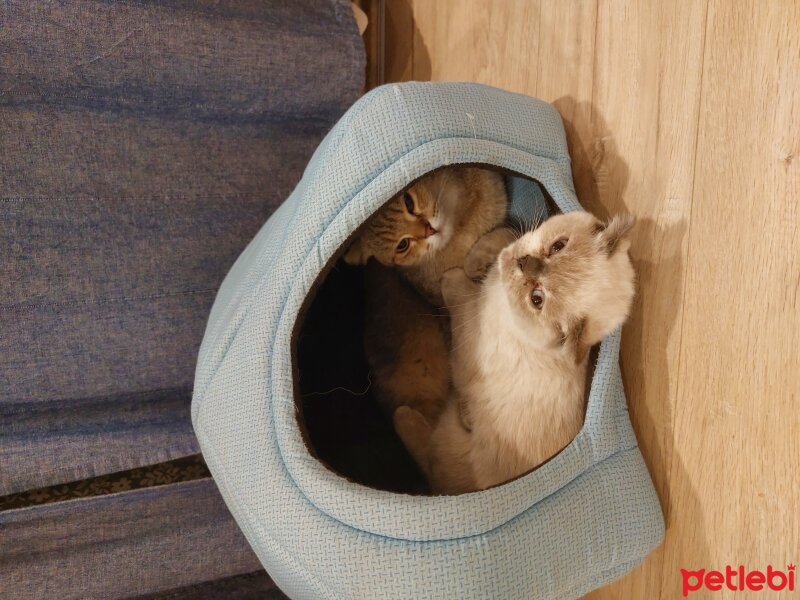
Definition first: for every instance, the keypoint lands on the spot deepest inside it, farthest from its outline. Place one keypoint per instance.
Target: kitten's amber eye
(409, 202)
(537, 298)
(558, 246)
(402, 246)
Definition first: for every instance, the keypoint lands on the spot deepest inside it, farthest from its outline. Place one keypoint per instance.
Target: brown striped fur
(406, 336)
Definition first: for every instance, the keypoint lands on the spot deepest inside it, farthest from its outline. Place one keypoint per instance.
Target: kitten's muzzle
(530, 266)
(429, 231)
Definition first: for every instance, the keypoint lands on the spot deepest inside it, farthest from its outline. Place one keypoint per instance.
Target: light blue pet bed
(581, 520)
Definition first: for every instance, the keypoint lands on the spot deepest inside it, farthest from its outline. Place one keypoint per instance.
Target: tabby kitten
(431, 227)
(417, 236)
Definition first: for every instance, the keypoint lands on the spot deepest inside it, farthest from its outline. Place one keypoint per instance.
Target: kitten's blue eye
(537, 298)
(558, 246)
(403, 245)
(409, 202)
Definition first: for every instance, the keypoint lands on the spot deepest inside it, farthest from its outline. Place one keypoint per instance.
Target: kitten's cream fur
(519, 369)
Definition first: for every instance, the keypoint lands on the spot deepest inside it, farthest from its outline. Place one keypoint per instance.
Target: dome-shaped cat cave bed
(582, 519)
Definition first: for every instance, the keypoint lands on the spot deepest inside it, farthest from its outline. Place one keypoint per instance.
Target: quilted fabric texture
(581, 520)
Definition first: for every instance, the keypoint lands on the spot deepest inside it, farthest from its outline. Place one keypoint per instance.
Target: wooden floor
(686, 113)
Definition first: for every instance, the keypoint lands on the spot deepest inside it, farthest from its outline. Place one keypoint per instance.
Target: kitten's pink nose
(429, 231)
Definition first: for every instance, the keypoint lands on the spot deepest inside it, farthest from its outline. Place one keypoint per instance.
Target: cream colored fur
(519, 370)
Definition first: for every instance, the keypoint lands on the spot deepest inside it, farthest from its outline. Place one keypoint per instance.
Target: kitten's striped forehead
(384, 229)
(387, 220)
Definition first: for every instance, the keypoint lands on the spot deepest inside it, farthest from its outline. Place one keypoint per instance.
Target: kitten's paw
(477, 264)
(454, 285)
(484, 253)
(415, 433)
(409, 420)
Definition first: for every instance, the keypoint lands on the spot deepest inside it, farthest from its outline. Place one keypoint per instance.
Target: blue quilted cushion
(578, 522)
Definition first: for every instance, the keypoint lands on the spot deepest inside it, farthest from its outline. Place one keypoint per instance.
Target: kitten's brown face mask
(411, 227)
(572, 276)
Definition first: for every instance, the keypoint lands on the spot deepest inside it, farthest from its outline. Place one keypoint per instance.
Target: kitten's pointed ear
(615, 234)
(357, 253)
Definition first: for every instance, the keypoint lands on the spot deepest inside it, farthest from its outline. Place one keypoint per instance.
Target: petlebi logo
(739, 579)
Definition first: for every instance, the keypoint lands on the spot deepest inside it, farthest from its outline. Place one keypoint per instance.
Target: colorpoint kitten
(420, 234)
(520, 352)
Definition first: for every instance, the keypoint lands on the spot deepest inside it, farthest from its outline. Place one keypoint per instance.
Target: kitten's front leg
(484, 252)
(461, 296)
(415, 433)
(457, 290)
